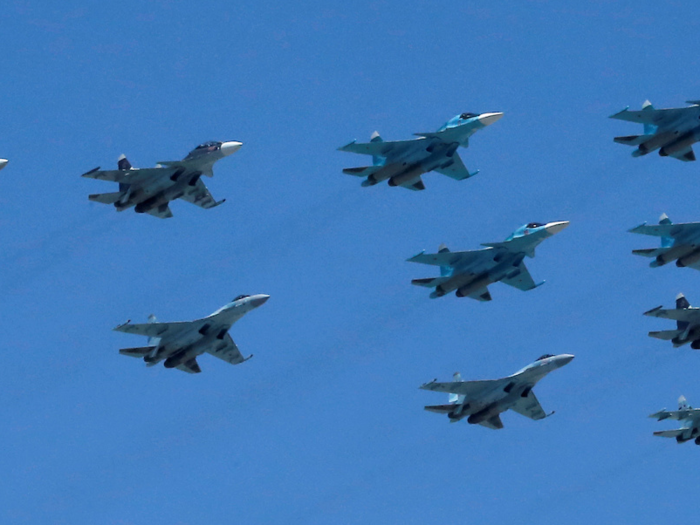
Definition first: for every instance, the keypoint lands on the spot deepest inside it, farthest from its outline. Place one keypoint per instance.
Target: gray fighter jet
(687, 323)
(672, 131)
(471, 272)
(482, 402)
(150, 190)
(679, 242)
(403, 162)
(179, 344)
(690, 420)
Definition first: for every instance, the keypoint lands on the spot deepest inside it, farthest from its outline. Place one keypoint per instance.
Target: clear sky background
(326, 423)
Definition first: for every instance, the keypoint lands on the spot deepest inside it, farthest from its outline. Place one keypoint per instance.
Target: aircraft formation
(466, 273)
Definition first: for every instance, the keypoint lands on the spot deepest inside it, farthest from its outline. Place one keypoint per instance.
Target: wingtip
(412, 259)
(123, 324)
(343, 148)
(93, 170)
(650, 312)
(636, 228)
(614, 115)
(424, 386)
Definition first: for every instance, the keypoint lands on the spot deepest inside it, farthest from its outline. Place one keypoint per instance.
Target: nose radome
(566, 359)
(556, 227)
(227, 148)
(259, 300)
(489, 118)
(3, 163)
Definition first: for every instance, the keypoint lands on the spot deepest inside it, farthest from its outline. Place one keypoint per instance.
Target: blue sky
(326, 423)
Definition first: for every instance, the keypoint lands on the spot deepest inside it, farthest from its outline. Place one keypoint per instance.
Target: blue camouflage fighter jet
(403, 162)
(672, 131)
(470, 272)
(679, 242)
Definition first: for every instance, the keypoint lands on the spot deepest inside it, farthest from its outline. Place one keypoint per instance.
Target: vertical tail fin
(682, 302)
(456, 398)
(153, 341)
(123, 163)
(683, 403)
(445, 271)
(649, 129)
(666, 242)
(377, 161)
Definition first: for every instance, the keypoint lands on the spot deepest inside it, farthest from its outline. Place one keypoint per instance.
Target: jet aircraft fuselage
(469, 273)
(402, 163)
(178, 344)
(150, 190)
(671, 131)
(481, 402)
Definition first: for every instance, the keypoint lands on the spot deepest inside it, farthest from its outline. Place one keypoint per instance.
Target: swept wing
(656, 117)
(157, 329)
(451, 259)
(200, 196)
(529, 407)
(522, 280)
(381, 148)
(228, 351)
(691, 315)
(129, 176)
(457, 170)
(471, 389)
(668, 230)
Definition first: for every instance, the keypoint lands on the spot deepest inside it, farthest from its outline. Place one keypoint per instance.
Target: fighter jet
(672, 131)
(471, 272)
(687, 323)
(483, 401)
(690, 418)
(3, 163)
(150, 190)
(179, 344)
(679, 242)
(403, 162)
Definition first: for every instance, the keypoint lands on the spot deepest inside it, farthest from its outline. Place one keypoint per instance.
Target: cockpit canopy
(206, 147)
(535, 225)
(545, 356)
(240, 297)
(465, 116)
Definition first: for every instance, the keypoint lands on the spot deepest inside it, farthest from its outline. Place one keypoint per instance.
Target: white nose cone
(3, 163)
(565, 359)
(489, 118)
(556, 227)
(259, 300)
(228, 148)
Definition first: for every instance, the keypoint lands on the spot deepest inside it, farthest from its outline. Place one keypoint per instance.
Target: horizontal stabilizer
(633, 140)
(440, 409)
(431, 282)
(666, 335)
(106, 198)
(415, 186)
(650, 252)
(494, 422)
(482, 294)
(137, 352)
(363, 171)
(670, 433)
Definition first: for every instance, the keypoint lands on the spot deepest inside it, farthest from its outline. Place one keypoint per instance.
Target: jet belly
(657, 141)
(166, 192)
(681, 143)
(675, 252)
